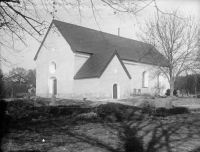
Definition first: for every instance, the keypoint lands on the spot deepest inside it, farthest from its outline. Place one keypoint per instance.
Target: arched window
(52, 67)
(145, 80)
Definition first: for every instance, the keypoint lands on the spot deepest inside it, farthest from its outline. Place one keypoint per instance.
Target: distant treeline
(189, 84)
(17, 81)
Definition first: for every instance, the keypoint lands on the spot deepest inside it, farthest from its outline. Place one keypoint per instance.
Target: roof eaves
(98, 75)
(153, 64)
(85, 77)
(43, 41)
(120, 60)
(83, 52)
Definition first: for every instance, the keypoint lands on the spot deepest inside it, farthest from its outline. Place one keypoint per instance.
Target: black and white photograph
(100, 75)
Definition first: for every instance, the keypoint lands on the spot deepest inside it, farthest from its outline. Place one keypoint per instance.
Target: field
(125, 129)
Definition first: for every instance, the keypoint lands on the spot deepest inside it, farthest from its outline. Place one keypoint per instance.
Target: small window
(145, 80)
(52, 67)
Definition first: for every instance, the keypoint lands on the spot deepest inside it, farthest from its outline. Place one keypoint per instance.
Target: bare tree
(176, 37)
(18, 75)
(19, 18)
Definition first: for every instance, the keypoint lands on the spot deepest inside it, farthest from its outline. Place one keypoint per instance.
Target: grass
(115, 128)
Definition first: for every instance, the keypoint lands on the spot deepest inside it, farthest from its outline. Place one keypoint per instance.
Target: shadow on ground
(140, 133)
(180, 133)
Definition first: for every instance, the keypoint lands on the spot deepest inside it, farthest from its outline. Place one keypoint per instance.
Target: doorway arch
(53, 85)
(115, 91)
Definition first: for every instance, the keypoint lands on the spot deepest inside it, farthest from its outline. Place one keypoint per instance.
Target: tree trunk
(182, 93)
(169, 100)
(171, 87)
(195, 90)
(195, 86)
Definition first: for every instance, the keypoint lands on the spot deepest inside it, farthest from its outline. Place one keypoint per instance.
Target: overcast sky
(108, 23)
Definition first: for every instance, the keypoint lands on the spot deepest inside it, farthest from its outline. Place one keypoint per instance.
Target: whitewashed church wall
(55, 48)
(79, 60)
(86, 88)
(136, 71)
(114, 73)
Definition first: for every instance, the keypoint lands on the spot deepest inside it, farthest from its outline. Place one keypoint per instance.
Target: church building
(78, 62)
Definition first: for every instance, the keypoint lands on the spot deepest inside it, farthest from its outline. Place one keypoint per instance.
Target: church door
(115, 91)
(54, 87)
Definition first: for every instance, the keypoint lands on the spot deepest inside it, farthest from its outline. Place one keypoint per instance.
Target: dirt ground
(180, 133)
(174, 134)
(191, 103)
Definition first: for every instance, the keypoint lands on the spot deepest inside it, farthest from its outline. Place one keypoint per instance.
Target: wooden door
(115, 91)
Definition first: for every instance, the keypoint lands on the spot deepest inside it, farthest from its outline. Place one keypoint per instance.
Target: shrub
(175, 92)
(2, 86)
(108, 109)
(148, 110)
(43, 101)
(163, 112)
(54, 110)
(67, 110)
(4, 117)
(179, 110)
(18, 106)
(114, 111)
(168, 92)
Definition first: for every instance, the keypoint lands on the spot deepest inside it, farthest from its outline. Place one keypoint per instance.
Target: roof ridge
(93, 42)
(102, 32)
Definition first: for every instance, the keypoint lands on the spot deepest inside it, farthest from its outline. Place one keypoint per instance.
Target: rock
(89, 115)
(168, 103)
(178, 93)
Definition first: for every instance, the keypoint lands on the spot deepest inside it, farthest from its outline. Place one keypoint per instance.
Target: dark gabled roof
(96, 65)
(87, 40)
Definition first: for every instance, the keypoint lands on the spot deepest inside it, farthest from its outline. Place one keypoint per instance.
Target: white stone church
(78, 62)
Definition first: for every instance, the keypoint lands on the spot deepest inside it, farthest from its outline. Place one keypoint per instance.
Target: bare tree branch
(176, 37)
(23, 17)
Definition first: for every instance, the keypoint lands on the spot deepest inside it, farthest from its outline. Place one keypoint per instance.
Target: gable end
(35, 58)
(96, 65)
